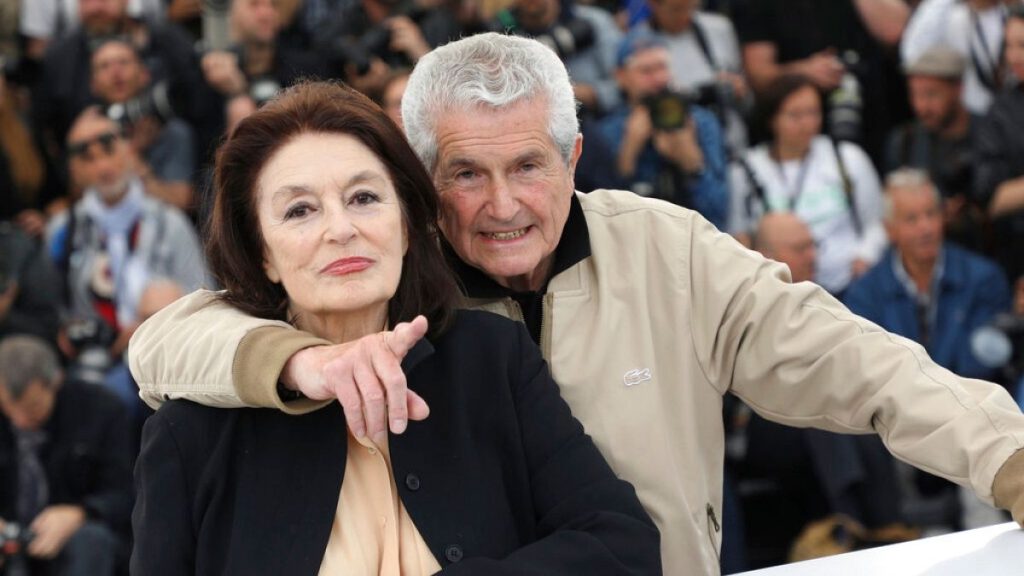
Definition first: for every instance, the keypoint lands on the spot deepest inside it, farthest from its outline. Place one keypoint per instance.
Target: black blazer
(87, 456)
(500, 479)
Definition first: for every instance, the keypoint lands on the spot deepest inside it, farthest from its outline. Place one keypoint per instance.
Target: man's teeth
(507, 235)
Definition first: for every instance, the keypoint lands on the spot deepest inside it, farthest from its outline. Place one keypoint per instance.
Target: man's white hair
(487, 70)
(903, 178)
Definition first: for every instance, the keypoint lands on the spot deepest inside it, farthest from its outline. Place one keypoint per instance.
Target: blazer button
(412, 482)
(453, 553)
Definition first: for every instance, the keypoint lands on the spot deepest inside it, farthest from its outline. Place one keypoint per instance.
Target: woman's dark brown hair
(780, 89)
(235, 245)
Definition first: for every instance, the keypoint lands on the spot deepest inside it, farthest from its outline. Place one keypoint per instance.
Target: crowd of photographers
(875, 146)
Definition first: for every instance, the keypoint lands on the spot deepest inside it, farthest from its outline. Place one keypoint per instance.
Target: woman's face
(332, 226)
(798, 120)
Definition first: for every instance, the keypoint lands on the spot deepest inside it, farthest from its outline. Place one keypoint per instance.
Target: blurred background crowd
(874, 146)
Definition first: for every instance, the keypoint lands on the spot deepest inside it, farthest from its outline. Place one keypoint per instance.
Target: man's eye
(465, 175)
(297, 211)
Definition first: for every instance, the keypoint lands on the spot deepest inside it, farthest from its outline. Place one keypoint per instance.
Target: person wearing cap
(941, 139)
(668, 148)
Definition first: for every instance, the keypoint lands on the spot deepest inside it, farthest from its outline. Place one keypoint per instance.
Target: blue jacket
(972, 290)
(709, 188)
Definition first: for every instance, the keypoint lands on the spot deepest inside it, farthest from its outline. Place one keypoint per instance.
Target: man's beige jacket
(644, 337)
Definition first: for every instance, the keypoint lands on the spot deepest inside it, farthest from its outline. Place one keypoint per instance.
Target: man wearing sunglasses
(109, 246)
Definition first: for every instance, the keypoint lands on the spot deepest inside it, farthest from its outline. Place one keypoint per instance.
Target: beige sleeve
(799, 357)
(204, 350)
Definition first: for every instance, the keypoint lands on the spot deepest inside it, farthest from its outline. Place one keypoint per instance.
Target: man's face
(794, 246)
(99, 157)
(935, 100)
(537, 13)
(915, 226)
(117, 73)
(255, 21)
(645, 73)
(100, 17)
(673, 16)
(30, 411)
(505, 190)
(1015, 46)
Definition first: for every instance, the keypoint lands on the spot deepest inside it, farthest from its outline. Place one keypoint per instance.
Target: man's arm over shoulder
(206, 351)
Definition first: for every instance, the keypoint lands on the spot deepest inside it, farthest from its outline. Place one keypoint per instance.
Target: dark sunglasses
(81, 148)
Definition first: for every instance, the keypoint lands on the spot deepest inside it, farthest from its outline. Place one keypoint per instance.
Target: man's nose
(502, 204)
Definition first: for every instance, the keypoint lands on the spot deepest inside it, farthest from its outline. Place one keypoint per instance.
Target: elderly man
(65, 470)
(928, 290)
(646, 313)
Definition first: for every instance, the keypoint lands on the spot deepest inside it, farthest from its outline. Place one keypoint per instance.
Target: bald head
(784, 237)
(158, 295)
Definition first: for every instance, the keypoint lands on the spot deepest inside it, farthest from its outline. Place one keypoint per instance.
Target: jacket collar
(573, 248)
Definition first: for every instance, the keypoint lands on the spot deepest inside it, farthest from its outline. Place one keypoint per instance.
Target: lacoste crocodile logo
(636, 376)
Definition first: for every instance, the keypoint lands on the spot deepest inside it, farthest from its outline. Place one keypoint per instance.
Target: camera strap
(702, 41)
(844, 175)
(757, 192)
(989, 72)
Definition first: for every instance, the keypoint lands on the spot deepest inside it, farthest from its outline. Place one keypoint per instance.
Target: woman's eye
(297, 211)
(364, 198)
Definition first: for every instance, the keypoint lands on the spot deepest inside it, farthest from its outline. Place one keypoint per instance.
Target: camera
(155, 102)
(14, 539)
(846, 103)
(92, 338)
(1000, 345)
(669, 110)
(569, 37)
(359, 51)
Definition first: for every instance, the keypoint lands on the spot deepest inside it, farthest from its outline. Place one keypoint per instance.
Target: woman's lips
(346, 266)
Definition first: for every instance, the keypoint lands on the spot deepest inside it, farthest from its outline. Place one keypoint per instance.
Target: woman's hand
(366, 377)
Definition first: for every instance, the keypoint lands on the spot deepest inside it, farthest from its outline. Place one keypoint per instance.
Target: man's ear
(574, 160)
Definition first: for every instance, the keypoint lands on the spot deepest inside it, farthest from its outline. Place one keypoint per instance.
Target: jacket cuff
(1008, 486)
(259, 360)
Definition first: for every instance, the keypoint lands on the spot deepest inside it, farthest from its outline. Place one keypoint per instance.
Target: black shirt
(573, 247)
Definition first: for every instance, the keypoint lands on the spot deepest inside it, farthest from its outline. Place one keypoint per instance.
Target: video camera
(669, 110)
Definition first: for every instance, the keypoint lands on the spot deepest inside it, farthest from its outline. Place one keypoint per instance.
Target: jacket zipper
(713, 525)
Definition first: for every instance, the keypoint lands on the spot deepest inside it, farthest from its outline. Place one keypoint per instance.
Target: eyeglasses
(81, 147)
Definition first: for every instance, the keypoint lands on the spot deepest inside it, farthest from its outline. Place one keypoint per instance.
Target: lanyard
(797, 189)
(989, 73)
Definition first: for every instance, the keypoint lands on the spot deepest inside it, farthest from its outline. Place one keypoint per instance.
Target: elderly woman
(324, 218)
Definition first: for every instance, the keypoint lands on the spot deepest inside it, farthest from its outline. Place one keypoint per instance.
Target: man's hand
(53, 527)
(681, 147)
(824, 69)
(7, 298)
(366, 377)
(407, 38)
(222, 72)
